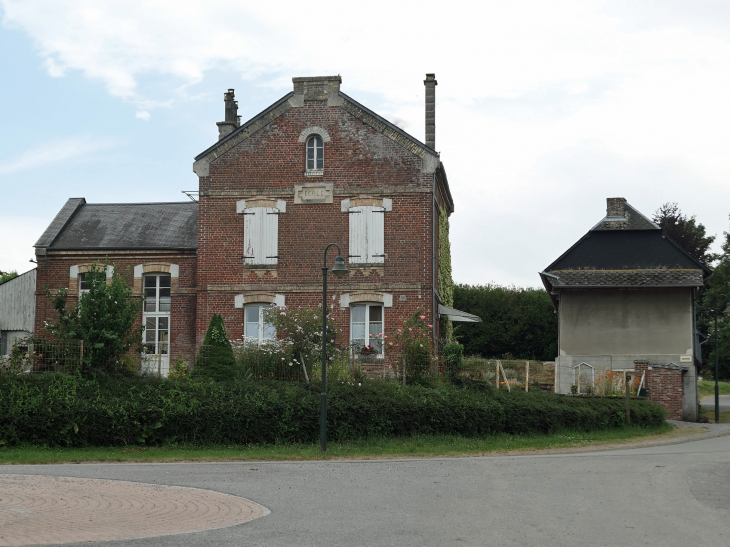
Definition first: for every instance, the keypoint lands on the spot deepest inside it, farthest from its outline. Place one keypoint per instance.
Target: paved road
(709, 402)
(673, 495)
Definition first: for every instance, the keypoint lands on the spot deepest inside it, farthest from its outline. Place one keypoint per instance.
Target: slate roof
(576, 279)
(108, 226)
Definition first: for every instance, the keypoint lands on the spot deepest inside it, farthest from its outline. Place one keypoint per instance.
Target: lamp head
(339, 269)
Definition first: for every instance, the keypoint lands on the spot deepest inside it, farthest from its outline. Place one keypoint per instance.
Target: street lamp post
(338, 270)
(717, 362)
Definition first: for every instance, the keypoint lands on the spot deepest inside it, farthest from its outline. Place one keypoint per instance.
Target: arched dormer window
(315, 153)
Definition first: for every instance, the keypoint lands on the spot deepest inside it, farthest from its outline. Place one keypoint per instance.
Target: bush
(453, 359)
(64, 410)
(215, 359)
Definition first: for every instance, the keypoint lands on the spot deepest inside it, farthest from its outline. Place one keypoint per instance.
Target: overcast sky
(543, 109)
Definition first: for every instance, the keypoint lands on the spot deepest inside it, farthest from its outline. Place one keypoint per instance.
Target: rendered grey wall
(621, 322)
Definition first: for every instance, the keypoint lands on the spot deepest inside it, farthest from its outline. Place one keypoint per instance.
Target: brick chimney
(430, 83)
(317, 88)
(615, 207)
(233, 120)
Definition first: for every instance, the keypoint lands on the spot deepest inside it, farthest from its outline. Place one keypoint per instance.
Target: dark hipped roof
(624, 251)
(107, 226)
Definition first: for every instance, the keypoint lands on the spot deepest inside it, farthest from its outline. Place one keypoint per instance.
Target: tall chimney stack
(232, 120)
(615, 207)
(430, 83)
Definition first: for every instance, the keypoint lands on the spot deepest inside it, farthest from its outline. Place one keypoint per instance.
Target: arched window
(315, 153)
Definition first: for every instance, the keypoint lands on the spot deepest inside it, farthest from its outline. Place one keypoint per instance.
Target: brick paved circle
(36, 510)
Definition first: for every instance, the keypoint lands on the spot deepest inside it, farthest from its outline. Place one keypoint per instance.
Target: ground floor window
(255, 326)
(366, 328)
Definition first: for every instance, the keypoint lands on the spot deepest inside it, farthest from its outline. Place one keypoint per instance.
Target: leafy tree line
(516, 322)
(691, 235)
(7, 276)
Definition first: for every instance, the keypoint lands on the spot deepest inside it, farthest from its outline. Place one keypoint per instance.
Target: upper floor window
(261, 236)
(157, 293)
(315, 153)
(367, 234)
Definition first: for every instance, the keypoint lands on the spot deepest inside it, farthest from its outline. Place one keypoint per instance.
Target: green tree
(516, 323)
(7, 276)
(215, 358)
(106, 318)
(685, 232)
(715, 298)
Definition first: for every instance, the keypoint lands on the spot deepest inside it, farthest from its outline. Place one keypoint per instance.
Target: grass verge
(419, 446)
(710, 413)
(707, 387)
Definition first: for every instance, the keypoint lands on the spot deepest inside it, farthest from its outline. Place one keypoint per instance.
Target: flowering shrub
(411, 346)
(299, 331)
(265, 360)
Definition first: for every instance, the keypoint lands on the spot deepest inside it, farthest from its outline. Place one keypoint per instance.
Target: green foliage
(215, 358)
(516, 323)
(453, 356)
(266, 360)
(65, 410)
(299, 331)
(716, 298)
(685, 232)
(445, 281)
(7, 276)
(105, 318)
(179, 370)
(411, 347)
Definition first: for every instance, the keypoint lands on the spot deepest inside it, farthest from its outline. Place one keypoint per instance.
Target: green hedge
(59, 410)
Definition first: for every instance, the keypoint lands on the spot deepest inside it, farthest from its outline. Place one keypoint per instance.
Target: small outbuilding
(17, 309)
(625, 296)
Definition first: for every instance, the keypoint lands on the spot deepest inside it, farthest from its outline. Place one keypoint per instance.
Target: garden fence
(35, 354)
(510, 374)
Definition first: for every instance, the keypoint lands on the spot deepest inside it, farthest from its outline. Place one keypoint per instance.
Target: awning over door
(458, 315)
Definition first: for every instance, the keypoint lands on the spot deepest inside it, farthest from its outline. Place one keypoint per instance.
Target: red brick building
(314, 168)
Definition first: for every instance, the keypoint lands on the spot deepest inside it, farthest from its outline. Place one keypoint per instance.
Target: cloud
(543, 108)
(143, 115)
(54, 152)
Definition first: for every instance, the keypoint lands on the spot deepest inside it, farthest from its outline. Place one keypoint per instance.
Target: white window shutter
(251, 238)
(358, 235)
(270, 235)
(376, 235)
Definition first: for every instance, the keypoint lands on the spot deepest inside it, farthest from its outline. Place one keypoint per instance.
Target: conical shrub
(215, 358)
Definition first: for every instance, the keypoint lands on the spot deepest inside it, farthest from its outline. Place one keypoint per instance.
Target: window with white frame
(261, 236)
(366, 327)
(83, 285)
(315, 153)
(367, 234)
(255, 326)
(156, 313)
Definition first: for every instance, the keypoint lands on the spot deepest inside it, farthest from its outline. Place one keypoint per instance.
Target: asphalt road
(673, 495)
(709, 402)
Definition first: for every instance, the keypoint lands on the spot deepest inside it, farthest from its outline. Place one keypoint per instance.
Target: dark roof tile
(130, 226)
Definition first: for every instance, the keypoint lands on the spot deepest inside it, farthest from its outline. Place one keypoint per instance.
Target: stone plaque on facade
(313, 192)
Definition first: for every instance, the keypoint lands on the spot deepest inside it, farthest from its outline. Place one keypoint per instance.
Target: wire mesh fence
(510, 374)
(35, 354)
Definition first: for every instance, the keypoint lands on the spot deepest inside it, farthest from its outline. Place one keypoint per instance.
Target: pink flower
(421, 345)
(423, 317)
(430, 326)
(437, 358)
(390, 343)
(410, 329)
(283, 313)
(457, 342)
